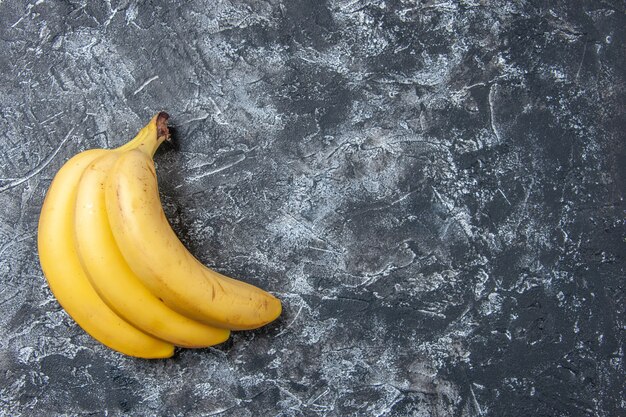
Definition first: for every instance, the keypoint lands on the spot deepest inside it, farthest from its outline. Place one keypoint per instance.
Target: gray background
(434, 189)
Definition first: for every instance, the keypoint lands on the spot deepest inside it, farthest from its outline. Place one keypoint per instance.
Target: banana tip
(161, 123)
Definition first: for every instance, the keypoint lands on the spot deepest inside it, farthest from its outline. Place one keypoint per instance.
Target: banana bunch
(116, 266)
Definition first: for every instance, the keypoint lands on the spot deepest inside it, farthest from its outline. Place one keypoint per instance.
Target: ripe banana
(68, 282)
(113, 279)
(116, 266)
(161, 261)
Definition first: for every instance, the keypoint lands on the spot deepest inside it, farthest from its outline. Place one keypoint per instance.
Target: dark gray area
(434, 189)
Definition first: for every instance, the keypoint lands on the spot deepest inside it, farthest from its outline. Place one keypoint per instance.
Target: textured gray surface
(434, 189)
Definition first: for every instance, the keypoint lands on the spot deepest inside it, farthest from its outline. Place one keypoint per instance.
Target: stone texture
(434, 189)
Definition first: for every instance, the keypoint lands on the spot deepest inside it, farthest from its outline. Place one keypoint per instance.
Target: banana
(161, 261)
(113, 279)
(115, 265)
(65, 275)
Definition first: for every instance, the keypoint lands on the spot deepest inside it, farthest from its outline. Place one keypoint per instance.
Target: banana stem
(150, 137)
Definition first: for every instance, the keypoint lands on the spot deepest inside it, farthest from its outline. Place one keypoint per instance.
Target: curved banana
(66, 277)
(164, 265)
(113, 279)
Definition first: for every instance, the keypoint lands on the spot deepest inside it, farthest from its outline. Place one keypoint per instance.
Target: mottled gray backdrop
(434, 189)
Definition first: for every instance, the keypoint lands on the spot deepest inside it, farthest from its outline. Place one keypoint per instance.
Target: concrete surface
(434, 189)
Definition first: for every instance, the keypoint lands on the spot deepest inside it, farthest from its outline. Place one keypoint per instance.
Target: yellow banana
(113, 279)
(116, 266)
(66, 277)
(158, 258)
